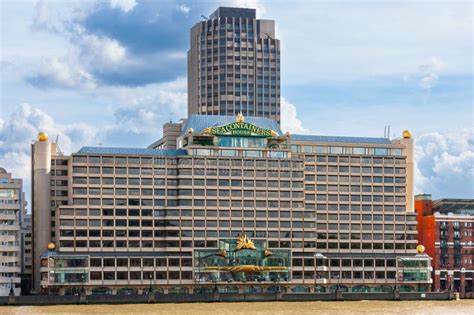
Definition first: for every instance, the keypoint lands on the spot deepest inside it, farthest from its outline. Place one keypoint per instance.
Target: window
(380, 151)
(396, 152)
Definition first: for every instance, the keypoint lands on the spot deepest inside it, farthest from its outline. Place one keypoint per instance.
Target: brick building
(446, 228)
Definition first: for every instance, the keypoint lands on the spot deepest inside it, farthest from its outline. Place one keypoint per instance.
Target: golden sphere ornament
(51, 246)
(42, 136)
(407, 134)
(420, 248)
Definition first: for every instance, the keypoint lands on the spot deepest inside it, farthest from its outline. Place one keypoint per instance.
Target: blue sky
(112, 72)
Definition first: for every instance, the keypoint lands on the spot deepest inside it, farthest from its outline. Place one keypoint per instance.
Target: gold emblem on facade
(221, 253)
(240, 117)
(244, 243)
(246, 268)
(267, 253)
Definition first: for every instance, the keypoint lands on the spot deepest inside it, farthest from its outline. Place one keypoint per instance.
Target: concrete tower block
(41, 207)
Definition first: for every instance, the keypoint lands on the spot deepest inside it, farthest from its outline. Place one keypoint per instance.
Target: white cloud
(144, 111)
(22, 127)
(24, 124)
(62, 73)
(100, 50)
(289, 119)
(124, 5)
(184, 8)
(430, 73)
(252, 4)
(383, 39)
(445, 164)
(19, 164)
(74, 71)
(42, 16)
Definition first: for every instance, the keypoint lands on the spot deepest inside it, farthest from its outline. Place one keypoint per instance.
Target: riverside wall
(220, 297)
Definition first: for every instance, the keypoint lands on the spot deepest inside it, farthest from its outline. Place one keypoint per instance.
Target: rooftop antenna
(204, 17)
(57, 143)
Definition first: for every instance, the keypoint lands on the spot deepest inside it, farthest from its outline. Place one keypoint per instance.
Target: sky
(112, 72)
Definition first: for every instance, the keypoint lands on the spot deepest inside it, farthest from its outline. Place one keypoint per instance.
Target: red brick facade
(448, 236)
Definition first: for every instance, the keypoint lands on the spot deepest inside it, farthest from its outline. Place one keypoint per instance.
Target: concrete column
(396, 294)
(408, 142)
(11, 298)
(41, 208)
(462, 284)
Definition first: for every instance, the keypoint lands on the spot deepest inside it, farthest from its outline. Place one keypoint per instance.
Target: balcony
(9, 279)
(7, 248)
(6, 227)
(12, 217)
(10, 270)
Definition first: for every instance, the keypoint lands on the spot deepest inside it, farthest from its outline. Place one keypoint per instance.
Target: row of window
(365, 275)
(185, 223)
(188, 193)
(355, 169)
(124, 244)
(186, 202)
(365, 160)
(346, 150)
(364, 227)
(271, 214)
(196, 171)
(345, 262)
(320, 236)
(356, 188)
(356, 179)
(238, 203)
(139, 262)
(138, 275)
(356, 207)
(196, 182)
(364, 217)
(246, 154)
(190, 162)
(355, 198)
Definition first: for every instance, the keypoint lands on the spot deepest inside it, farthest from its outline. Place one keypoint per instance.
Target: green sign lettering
(241, 129)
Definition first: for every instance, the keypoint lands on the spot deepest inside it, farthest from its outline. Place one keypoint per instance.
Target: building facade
(446, 228)
(238, 206)
(26, 257)
(50, 182)
(12, 209)
(234, 65)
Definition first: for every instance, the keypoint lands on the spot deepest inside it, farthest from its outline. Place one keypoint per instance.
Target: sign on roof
(240, 128)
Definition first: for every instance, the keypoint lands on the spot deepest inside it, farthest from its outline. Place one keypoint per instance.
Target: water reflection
(259, 308)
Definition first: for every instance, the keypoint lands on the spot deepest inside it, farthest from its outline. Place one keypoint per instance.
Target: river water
(259, 308)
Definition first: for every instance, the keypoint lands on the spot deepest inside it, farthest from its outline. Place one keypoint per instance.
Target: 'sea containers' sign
(241, 129)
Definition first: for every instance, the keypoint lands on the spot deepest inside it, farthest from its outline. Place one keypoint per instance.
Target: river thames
(258, 308)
